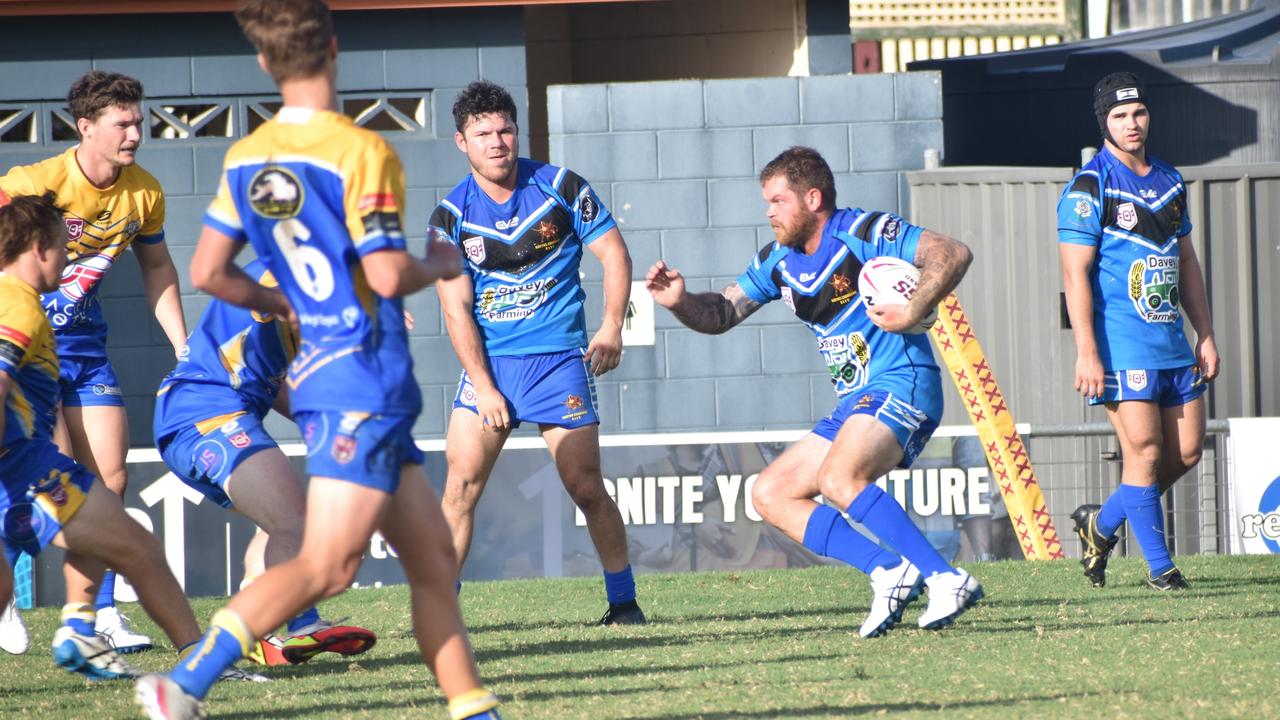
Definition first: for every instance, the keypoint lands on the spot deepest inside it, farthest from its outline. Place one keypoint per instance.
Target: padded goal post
(1010, 465)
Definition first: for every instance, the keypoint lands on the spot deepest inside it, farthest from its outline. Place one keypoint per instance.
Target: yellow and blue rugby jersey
(101, 224)
(243, 354)
(28, 354)
(313, 194)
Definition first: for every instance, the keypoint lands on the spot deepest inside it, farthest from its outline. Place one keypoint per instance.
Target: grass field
(774, 644)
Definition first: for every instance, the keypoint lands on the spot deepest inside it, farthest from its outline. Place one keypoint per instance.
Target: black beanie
(1118, 88)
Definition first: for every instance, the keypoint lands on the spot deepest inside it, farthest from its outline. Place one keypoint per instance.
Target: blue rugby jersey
(242, 353)
(822, 290)
(523, 256)
(1135, 223)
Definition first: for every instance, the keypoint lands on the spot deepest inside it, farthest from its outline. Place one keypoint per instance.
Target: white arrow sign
(172, 492)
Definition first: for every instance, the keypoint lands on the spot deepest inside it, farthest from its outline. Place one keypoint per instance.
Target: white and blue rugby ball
(889, 281)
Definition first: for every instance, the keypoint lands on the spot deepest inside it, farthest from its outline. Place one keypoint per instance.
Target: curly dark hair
(25, 219)
(97, 90)
(482, 98)
(804, 168)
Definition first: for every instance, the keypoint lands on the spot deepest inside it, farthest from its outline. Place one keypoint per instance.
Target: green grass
(775, 644)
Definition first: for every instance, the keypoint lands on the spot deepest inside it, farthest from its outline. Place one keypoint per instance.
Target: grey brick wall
(203, 58)
(680, 160)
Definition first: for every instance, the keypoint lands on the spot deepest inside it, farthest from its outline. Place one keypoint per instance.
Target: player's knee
(116, 479)
(1143, 454)
(767, 493)
(1190, 457)
(587, 492)
(462, 491)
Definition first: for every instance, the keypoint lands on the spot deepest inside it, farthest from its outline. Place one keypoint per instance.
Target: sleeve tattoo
(715, 313)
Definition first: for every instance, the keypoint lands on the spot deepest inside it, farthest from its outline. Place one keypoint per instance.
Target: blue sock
(305, 618)
(620, 587)
(885, 517)
(1146, 522)
(828, 535)
(1112, 515)
(107, 591)
(226, 641)
(79, 618)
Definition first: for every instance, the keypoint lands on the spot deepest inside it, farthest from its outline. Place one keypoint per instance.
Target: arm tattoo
(715, 313)
(943, 262)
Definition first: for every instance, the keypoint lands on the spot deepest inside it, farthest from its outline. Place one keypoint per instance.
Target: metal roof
(1250, 36)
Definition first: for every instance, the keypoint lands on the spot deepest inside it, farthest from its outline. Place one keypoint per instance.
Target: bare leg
(416, 528)
(576, 454)
(266, 490)
(341, 517)
(1183, 441)
(98, 438)
(102, 531)
(784, 491)
(1137, 425)
(471, 450)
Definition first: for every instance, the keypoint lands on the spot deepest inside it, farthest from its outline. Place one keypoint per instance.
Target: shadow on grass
(865, 709)
(670, 619)
(633, 671)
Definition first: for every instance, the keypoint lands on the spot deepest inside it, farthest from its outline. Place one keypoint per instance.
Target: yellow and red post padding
(1010, 464)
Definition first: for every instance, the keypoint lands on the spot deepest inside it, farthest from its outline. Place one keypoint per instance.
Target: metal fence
(1080, 464)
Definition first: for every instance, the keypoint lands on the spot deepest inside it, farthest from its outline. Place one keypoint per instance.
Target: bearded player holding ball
(888, 388)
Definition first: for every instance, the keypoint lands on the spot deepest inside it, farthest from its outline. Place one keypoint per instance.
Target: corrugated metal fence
(1012, 292)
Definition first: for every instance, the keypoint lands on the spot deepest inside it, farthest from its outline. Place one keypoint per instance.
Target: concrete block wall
(203, 58)
(677, 164)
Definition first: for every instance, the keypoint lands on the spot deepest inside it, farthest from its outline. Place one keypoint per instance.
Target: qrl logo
(75, 229)
(83, 274)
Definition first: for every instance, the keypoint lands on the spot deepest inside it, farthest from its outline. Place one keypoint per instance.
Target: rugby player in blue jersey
(209, 431)
(517, 324)
(888, 388)
(1130, 269)
(320, 200)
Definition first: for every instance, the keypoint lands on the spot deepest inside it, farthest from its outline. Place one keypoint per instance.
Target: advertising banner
(686, 501)
(1254, 478)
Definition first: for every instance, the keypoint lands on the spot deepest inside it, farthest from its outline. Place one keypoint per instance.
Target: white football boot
(89, 655)
(163, 699)
(14, 638)
(950, 594)
(892, 590)
(114, 625)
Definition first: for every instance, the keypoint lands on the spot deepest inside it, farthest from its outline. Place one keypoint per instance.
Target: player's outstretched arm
(1195, 300)
(605, 349)
(160, 285)
(213, 270)
(457, 299)
(709, 312)
(1077, 266)
(395, 273)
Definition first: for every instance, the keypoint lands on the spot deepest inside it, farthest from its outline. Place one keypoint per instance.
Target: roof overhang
(132, 7)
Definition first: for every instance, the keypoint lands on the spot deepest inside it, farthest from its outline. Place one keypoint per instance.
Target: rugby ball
(890, 281)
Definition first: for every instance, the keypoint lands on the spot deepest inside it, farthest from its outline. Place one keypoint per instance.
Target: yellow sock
(471, 703)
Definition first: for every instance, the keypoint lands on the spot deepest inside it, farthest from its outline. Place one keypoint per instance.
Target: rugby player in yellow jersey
(46, 497)
(321, 201)
(111, 204)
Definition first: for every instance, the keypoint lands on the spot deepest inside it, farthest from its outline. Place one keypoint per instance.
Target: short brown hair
(804, 168)
(96, 91)
(293, 35)
(25, 219)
